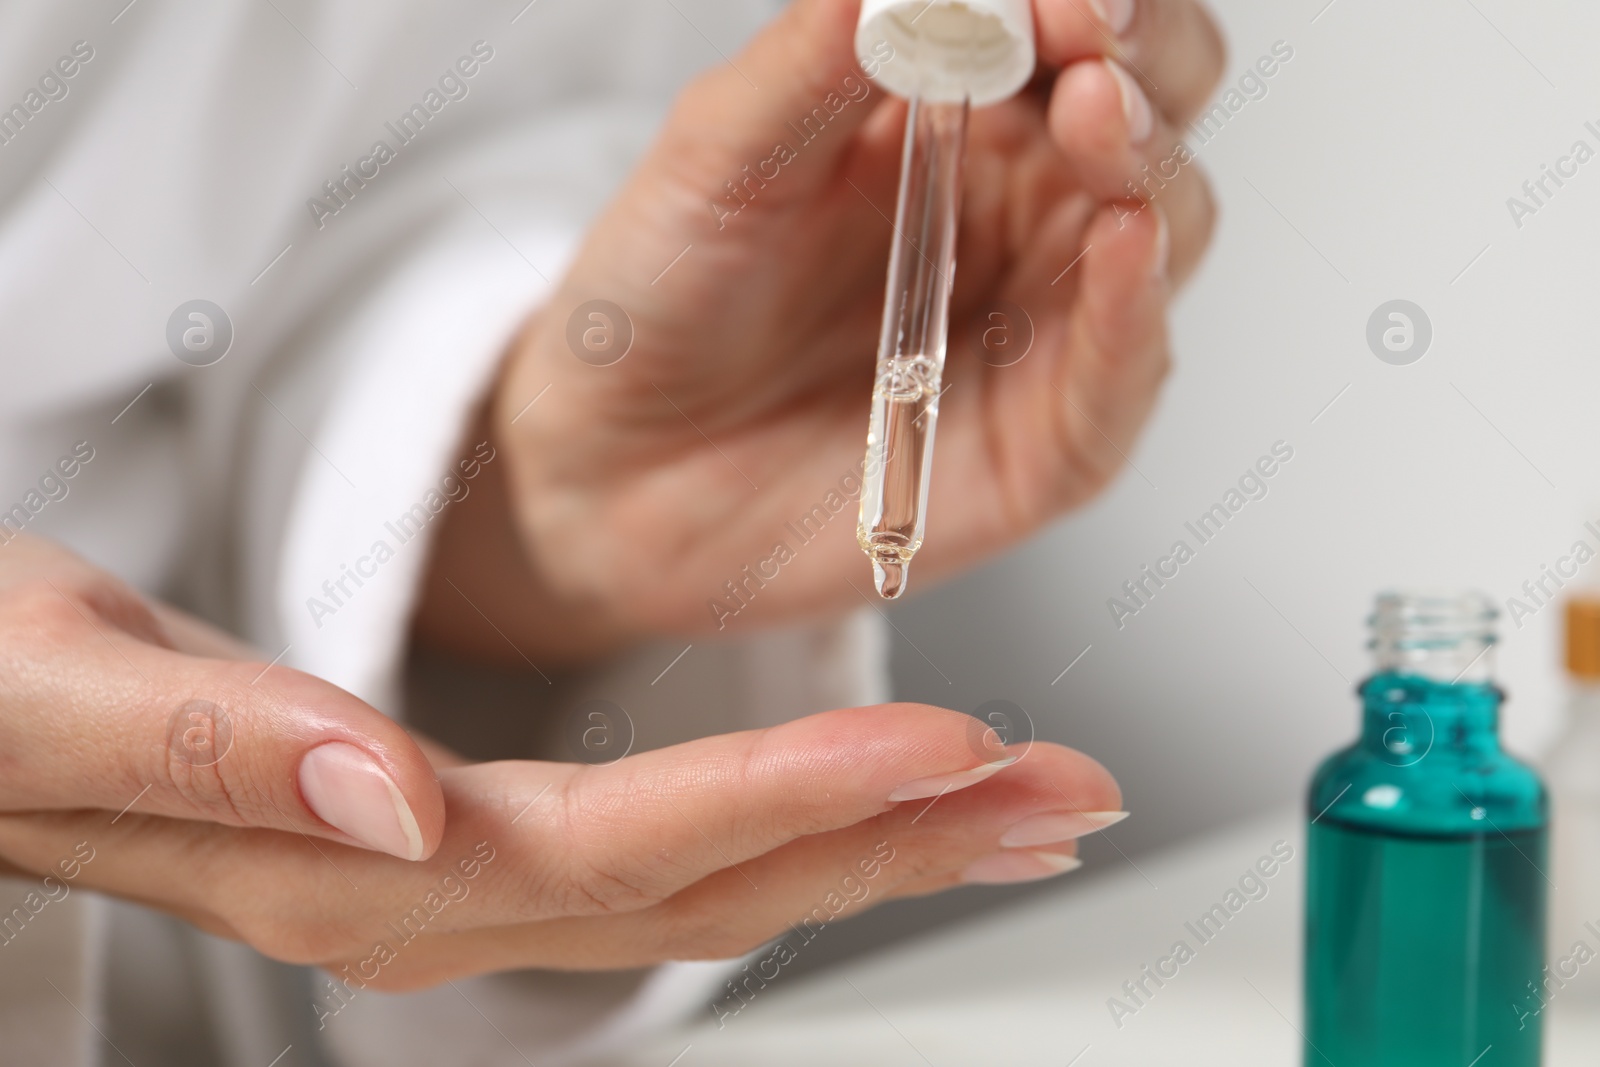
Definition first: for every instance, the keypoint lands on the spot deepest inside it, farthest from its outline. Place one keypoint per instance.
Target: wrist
(487, 595)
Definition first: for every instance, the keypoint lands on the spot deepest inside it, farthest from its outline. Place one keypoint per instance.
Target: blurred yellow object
(1583, 636)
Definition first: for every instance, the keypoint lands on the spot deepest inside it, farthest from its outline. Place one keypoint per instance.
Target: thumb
(292, 752)
(787, 104)
(96, 716)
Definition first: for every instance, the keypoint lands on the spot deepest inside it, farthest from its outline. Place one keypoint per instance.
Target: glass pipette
(911, 348)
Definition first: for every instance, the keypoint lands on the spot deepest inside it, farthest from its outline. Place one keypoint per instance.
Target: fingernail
(1051, 827)
(1135, 106)
(1114, 14)
(947, 783)
(1004, 867)
(1163, 245)
(349, 791)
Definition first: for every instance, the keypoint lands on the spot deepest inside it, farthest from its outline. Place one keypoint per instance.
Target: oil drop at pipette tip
(889, 577)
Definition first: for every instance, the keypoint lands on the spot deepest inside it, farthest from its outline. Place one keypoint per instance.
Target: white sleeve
(362, 416)
(416, 362)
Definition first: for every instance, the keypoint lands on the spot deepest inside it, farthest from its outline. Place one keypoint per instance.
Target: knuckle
(199, 783)
(217, 755)
(123, 607)
(915, 862)
(62, 610)
(590, 889)
(599, 880)
(45, 608)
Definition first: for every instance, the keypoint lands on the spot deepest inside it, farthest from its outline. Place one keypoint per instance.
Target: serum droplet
(889, 577)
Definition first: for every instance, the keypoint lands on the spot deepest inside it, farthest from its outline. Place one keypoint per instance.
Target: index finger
(96, 715)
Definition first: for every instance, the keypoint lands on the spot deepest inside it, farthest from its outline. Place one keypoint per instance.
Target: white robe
(179, 161)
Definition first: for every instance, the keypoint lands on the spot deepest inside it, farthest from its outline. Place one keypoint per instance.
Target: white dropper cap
(944, 50)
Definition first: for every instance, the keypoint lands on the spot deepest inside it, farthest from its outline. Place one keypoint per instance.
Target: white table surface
(1029, 985)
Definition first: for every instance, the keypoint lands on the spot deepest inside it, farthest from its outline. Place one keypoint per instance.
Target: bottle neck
(1432, 684)
(1406, 716)
(1444, 638)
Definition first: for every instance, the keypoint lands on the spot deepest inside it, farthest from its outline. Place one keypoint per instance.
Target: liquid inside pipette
(911, 348)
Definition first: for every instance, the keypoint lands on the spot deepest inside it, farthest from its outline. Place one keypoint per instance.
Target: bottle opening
(1446, 635)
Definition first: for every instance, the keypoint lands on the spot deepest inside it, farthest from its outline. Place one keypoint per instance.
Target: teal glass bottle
(1425, 866)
